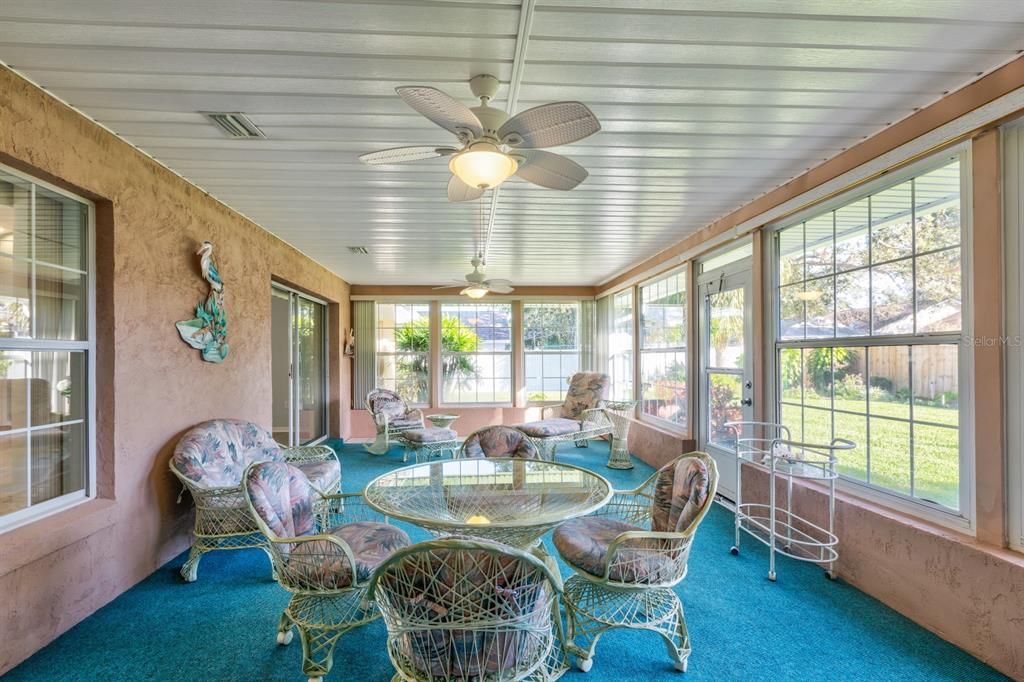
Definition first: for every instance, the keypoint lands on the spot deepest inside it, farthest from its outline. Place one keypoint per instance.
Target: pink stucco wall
(151, 386)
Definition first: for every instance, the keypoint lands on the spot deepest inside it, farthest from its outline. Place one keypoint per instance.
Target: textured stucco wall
(152, 386)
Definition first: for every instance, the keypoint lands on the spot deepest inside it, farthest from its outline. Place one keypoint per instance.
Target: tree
(414, 338)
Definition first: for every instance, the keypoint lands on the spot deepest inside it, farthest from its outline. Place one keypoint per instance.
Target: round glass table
(514, 501)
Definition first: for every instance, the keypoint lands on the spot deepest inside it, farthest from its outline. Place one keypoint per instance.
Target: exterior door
(298, 367)
(726, 378)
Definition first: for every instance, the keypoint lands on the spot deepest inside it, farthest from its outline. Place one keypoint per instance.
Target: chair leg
(379, 446)
(284, 629)
(318, 649)
(190, 569)
(677, 637)
(583, 632)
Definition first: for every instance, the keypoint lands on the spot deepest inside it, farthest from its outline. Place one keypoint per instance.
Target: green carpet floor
(743, 627)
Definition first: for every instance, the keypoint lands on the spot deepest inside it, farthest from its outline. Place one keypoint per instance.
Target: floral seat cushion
(546, 428)
(403, 423)
(680, 493)
(430, 434)
(586, 391)
(324, 475)
(323, 565)
(214, 454)
(584, 544)
(499, 441)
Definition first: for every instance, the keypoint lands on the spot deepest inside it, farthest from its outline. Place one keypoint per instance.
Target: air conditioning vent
(358, 249)
(235, 124)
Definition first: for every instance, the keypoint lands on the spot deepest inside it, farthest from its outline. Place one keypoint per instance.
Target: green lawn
(936, 448)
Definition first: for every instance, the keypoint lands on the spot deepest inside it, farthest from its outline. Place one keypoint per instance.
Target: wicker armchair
(209, 461)
(324, 549)
(499, 441)
(466, 609)
(391, 415)
(628, 556)
(581, 417)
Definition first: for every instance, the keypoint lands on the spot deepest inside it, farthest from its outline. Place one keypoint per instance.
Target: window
(620, 346)
(869, 324)
(663, 348)
(551, 348)
(476, 352)
(45, 350)
(403, 350)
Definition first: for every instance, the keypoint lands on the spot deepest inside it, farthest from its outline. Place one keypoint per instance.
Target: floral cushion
(403, 423)
(499, 441)
(214, 454)
(384, 402)
(556, 426)
(323, 565)
(430, 434)
(325, 475)
(283, 499)
(586, 391)
(584, 544)
(467, 613)
(680, 493)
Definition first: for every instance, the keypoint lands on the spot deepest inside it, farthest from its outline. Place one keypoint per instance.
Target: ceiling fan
(478, 286)
(494, 146)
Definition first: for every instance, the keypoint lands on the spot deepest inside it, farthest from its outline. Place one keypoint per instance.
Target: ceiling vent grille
(235, 124)
(358, 249)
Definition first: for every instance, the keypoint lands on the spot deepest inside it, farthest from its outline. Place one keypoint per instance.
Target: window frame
(441, 402)
(578, 351)
(632, 365)
(1013, 241)
(36, 512)
(680, 428)
(395, 353)
(962, 519)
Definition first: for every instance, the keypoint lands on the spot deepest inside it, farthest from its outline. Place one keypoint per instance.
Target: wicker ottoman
(429, 441)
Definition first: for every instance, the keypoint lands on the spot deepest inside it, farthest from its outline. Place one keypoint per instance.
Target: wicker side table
(620, 413)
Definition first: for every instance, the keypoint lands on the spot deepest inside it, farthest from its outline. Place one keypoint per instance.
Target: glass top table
(514, 501)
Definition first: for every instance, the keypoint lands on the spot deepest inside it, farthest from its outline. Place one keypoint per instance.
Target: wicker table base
(428, 449)
(619, 413)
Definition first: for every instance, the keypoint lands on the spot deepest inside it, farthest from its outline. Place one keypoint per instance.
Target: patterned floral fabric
(584, 543)
(680, 493)
(215, 453)
(321, 565)
(385, 402)
(488, 600)
(586, 391)
(430, 434)
(556, 426)
(403, 423)
(499, 441)
(324, 475)
(283, 498)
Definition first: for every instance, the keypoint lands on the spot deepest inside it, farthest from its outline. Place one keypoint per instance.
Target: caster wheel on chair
(734, 551)
(831, 575)
(771, 576)
(316, 679)
(584, 664)
(285, 638)
(681, 666)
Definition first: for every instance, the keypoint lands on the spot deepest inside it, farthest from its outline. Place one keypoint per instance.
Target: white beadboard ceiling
(705, 105)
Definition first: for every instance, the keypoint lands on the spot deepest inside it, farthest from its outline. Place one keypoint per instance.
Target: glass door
(298, 367)
(726, 382)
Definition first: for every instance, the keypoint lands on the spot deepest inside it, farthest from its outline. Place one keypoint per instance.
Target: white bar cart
(770, 447)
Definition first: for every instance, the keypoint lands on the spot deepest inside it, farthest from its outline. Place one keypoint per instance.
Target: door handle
(747, 401)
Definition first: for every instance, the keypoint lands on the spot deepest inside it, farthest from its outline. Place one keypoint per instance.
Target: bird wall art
(208, 330)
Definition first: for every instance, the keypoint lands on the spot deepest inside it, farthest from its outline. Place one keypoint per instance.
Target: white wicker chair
(209, 461)
(581, 417)
(468, 609)
(324, 549)
(630, 554)
(391, 415)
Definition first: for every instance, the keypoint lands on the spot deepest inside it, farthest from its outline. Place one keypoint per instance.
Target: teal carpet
(743, 627)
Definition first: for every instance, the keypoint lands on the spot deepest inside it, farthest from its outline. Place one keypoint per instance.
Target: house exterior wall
(151, 386)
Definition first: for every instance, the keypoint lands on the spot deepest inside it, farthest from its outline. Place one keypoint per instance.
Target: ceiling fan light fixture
(475, 291)
(482, 165)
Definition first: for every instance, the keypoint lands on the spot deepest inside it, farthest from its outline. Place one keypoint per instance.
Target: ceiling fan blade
(460, 191)
(549, 125)
(499, 288)
(498, 282)
(553, 171)
(442, 109)
(450, 286)
(405, 155)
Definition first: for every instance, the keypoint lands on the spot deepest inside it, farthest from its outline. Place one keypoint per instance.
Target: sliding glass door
(299, 367)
